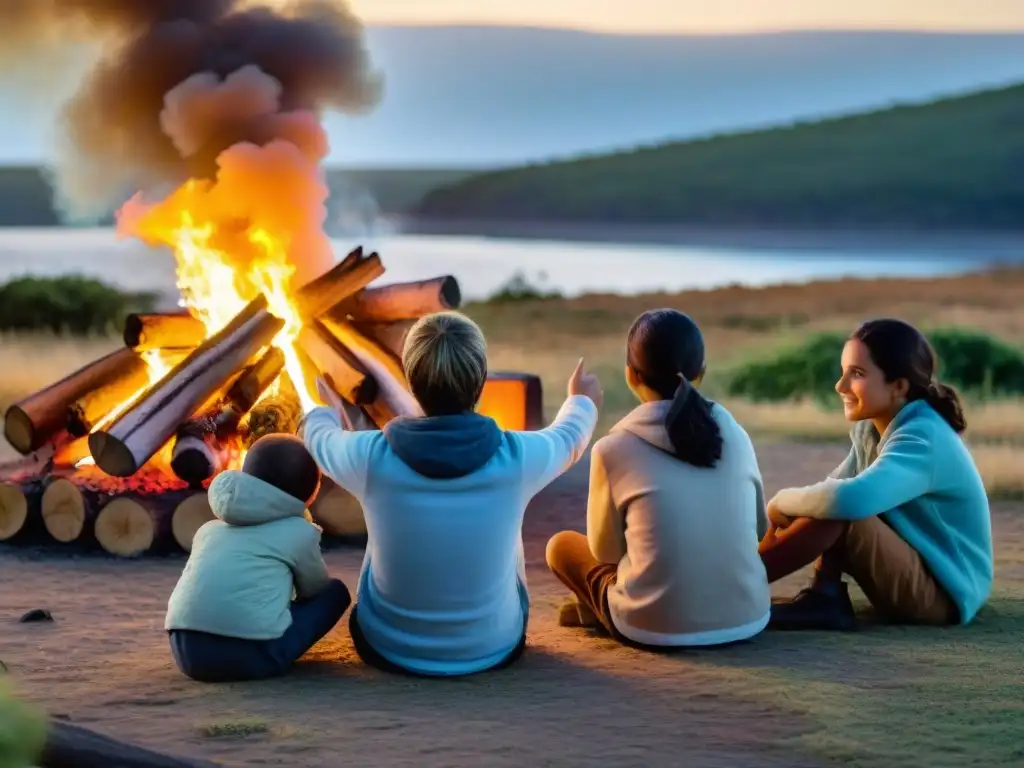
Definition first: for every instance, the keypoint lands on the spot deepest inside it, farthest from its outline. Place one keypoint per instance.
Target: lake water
(483, 265)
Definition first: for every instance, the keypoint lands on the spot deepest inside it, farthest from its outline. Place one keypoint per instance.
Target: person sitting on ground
(231, 616)
(675, 511)
(905, 515)
(443, 590)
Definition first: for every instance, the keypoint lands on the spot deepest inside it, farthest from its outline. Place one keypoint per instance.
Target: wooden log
(338, 512)
(390, 336)
(70, 746)
(163, 330)
(19, 507)
(350, 275)
(130, 526)
(123, 447)
(30, 423)
(400, 301)
(393, 397)
(94, 406)
(206, 444)
(188, 517)
(280, 414)
(69, 508)
(346, 374)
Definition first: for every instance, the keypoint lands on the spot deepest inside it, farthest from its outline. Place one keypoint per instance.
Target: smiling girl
(905, 515)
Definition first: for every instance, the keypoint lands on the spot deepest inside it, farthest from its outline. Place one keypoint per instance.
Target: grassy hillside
(956, 163)
(26, 199)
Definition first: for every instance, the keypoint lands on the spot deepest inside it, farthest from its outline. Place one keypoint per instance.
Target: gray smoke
(180, 81)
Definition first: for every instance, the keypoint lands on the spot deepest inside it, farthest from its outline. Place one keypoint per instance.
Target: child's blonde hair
(445, 362)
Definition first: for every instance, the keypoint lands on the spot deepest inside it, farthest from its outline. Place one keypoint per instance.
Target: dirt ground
(574, 700)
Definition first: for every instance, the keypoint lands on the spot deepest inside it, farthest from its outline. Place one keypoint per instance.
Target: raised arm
(548, 453)
(902, 472)
(341, 455)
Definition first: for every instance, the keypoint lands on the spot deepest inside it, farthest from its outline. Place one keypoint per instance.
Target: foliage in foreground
(67, 304)
(977, 364)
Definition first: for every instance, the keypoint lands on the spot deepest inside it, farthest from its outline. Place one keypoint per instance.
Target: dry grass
(30, 362)
(548, 337)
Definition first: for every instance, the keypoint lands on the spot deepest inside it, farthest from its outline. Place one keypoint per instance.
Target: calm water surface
(483, 265)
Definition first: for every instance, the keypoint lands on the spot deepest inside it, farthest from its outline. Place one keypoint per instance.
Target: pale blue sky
(703, 15)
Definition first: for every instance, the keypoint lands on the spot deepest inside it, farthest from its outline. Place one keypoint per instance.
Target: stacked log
(116, 461)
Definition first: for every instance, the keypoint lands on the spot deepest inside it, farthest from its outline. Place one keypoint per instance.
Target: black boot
(817, 607)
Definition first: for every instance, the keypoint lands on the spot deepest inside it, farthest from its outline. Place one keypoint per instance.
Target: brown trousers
(888, 570)
(570, 559)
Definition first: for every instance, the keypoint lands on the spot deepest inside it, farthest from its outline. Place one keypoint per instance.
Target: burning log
(123, 447)
(188, 517)
(94, 406)
(138, 434)
(275, 415)
(163, 330)
(69, 507)
(347, 375)
(19, 507)
(393, 397)
(129, 526)
(30, 423)
(400, 301)
(390, 336)
(204, 444)
(349, 276)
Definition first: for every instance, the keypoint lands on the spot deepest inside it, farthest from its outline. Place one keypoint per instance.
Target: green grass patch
(238, 729)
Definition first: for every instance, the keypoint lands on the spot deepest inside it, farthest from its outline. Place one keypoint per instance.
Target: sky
(703, 16)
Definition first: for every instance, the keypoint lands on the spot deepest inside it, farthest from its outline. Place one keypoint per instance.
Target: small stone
(37, 615)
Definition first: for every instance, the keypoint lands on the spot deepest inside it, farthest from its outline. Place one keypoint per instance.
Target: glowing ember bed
(118, 454)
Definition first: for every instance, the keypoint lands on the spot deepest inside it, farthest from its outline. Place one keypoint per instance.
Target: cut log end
(19, 430)
(125, 528)
(112, 455)
(13, 510)
(63, 510)
(194, 460)
(189, 516)
(338, 512)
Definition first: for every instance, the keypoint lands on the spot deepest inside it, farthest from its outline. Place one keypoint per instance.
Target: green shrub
(975, 363)
(519, 288)
(68, 304)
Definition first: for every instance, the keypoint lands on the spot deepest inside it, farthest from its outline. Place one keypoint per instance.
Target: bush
(69, 304)
(519, 288)
(975, 363)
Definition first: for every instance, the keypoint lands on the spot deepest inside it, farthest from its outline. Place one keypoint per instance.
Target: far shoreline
(1000, 246)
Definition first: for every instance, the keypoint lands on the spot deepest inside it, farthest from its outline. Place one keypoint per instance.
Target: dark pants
(370, 656)
(217, 659)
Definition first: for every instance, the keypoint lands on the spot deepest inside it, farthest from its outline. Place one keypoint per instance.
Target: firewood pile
(116, 458)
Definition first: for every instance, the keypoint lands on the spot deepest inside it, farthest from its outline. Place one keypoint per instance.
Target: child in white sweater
(675, 512)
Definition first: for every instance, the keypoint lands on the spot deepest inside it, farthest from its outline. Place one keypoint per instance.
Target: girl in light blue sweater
(905, 515)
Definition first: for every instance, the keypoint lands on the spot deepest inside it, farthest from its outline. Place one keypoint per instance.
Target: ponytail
(946, 402)
(692, 429)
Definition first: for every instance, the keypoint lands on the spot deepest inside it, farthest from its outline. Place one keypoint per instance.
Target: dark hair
(283, 462)
(903, 352)
(665, 349)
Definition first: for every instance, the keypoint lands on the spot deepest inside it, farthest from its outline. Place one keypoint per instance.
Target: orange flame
(233, 239)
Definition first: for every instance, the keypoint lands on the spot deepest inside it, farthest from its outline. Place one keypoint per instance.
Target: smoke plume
(178, 82)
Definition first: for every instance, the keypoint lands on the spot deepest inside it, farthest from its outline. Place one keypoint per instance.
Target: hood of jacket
(647, 421)
(241, 499)
(444, 447)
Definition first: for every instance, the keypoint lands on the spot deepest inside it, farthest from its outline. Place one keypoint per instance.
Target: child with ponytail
(675, 512)
(905, 515)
